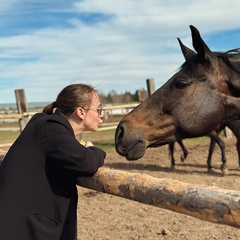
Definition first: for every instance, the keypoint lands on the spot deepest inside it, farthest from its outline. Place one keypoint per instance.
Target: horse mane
(231, 58)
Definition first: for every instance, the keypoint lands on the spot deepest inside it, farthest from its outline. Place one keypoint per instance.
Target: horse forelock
(191, 63)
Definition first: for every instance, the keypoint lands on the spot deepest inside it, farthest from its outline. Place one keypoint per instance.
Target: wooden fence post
(22, 108)
(142, 95)
(150, 86)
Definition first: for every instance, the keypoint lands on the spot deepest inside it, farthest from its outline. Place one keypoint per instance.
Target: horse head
(201, 95)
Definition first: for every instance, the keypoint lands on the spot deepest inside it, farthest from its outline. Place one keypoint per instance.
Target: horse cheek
(199, 120)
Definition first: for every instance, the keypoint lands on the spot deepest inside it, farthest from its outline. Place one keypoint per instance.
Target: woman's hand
(86, 143)
(89, 144)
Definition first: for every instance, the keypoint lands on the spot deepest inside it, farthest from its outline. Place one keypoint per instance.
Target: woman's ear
(80, 113)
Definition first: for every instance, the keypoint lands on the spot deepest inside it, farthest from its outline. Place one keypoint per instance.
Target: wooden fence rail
(208, 203)
(204, 202)
(16, 116)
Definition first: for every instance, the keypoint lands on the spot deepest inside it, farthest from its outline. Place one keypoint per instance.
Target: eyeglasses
(99, 110)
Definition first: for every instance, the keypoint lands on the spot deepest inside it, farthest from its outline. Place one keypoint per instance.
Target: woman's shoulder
(42, 118)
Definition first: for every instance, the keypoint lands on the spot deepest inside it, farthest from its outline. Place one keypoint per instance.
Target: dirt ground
(106, 217)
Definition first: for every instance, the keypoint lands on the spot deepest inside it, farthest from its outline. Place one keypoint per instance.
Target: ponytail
(49, 108)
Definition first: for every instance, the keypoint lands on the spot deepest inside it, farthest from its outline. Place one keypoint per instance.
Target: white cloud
(118, 47)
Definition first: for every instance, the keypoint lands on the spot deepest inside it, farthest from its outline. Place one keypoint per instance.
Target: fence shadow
(197, 168)
(158, 168)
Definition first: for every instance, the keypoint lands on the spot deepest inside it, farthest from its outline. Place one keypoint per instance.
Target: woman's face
(93, 118)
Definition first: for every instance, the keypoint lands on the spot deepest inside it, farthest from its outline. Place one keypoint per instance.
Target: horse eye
(181, 84)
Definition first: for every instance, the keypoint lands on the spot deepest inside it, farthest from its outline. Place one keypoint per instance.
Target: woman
(38, 195)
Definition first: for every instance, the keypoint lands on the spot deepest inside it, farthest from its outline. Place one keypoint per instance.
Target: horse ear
(200, 46)
(187, 52)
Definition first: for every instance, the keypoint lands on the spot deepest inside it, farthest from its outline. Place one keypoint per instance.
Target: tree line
(113, 97)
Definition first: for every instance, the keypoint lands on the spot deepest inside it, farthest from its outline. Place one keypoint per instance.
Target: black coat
(38, 194)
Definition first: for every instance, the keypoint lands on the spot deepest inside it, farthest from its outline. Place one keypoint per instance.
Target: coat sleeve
(63, 150)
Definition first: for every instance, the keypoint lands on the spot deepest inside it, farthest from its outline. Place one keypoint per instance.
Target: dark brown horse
(171, 147)
(214, 138)
(203, 94)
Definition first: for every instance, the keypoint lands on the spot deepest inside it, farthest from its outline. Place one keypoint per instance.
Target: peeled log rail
(208, 203)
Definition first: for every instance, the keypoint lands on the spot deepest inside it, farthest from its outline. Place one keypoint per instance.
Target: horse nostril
(119, 132)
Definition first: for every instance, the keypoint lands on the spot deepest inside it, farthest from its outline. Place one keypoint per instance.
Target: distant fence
(109, 110)
(23, 115)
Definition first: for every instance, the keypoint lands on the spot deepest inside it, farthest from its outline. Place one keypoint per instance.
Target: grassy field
(7, 137)
(101, 139)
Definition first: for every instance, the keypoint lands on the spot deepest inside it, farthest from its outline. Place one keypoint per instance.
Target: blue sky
(112, 45)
